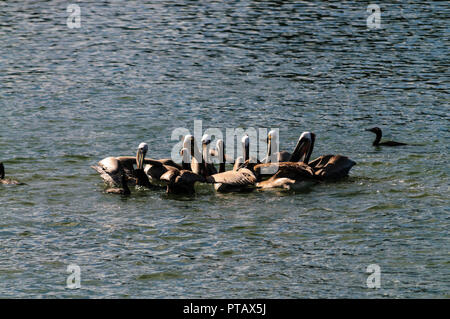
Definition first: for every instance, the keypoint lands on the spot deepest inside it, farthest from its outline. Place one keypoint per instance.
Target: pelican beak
(269, 149)
(140, 158)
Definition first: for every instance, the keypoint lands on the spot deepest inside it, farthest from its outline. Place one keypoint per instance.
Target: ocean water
(135, 71)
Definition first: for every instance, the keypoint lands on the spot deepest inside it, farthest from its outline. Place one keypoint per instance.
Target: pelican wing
(293, 170)
(155, 172)
(233, 178)
(169, 162)
(110, 169)
(276, 183)
(170, 175)
(288, 174)
(332, 166)
(320, 162)
(189, 177)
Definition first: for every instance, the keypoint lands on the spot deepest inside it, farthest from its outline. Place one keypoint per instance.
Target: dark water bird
(182, 181)
(124, 190)
(7, 181)
(237, 180)
(298, 170)
(379, 134)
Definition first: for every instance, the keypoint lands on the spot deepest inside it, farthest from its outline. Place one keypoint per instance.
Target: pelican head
(185, 155)
(141, 152)
(188, 140)
(206, 139)
(272, 134)
(304, 148)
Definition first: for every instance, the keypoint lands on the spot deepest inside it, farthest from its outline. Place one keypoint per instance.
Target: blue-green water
(136, 70)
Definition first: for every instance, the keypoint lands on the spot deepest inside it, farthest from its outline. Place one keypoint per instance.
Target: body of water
(136, 70)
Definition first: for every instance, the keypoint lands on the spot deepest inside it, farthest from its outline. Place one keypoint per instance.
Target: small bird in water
(7, 181)
(377, 140)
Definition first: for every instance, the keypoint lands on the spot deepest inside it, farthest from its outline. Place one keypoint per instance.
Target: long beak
(140, 159)
(269, 150)
(205, 152)
(246, 149)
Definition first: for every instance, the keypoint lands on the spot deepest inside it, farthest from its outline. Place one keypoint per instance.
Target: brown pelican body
(298, 169)
(377, 140)
(120, 191)
(290, 175)
(331, 167)
(7, 181)
(110, 170)
(237, 180)
(233, 181)
(155, 169)
(182, 181)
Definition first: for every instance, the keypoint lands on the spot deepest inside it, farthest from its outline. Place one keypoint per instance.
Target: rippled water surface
(136, 70)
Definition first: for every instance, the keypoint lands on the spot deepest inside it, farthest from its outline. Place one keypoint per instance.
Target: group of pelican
(280, 170)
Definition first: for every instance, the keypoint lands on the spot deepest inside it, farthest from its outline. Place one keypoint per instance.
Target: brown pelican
(121, 191)
(239, 179)
(7, 181)
(153, 168)
(377, 140)
(196, 157)
(299, 169)
(291, 174)
(325, 167)
(111, 169)
(303, 144)
(200, 162)
(182, 181)
(208, 167)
